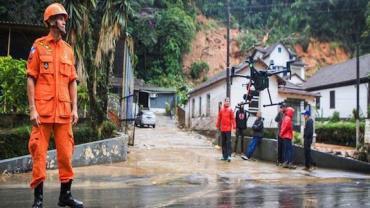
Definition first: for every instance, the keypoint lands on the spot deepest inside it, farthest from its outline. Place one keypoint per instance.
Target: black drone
(259, 79)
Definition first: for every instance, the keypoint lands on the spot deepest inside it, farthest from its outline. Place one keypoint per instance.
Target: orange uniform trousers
(38, 146)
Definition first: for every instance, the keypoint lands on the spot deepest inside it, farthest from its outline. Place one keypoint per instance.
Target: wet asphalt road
(172, 168)
(351, 194)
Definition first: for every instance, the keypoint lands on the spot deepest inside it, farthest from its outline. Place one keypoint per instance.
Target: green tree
(162, 34)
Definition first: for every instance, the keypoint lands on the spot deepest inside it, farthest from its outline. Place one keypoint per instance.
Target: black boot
(65, 197)
(38, 195)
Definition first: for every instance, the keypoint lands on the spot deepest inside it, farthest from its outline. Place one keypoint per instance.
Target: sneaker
(229, 159)
(285, 165)
(222, 158)
(306, 169)
(291, 166)
(244, 157)
(278, 163)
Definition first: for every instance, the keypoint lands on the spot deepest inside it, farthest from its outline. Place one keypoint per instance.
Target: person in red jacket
(225, 123)
(286, 133)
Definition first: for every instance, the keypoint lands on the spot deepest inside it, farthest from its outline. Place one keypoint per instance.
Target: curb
(267, 150)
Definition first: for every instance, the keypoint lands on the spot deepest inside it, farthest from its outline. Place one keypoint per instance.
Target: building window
(318, 102)
(193, 108)
(208, 111)
(279, 49)
(332, 99)
(200, 106)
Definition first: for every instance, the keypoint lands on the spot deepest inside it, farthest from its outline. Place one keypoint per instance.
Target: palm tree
(112, 28)
(79, 26)
(96, 63)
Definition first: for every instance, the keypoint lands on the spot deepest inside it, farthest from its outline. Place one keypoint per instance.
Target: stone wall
(267, 150)
(99, 152)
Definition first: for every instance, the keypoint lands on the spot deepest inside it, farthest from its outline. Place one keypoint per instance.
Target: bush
(168, 109)
(340, 133)
(14, 142)
(335, 117)
(247, 40)
(297, 138)
(197, 68)
(108, 130)
(12, 120)
(13, 98)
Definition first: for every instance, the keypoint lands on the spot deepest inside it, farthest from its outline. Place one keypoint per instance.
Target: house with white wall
(206, 99)
(277, 55)
(337, 87)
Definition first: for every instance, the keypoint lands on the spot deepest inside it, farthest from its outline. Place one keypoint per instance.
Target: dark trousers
(226, 144)
(280, 150)
(239, 139)
(307, 153)
(288, 151)
(256, 140)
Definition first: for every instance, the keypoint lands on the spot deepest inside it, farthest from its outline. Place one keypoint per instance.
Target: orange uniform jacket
(51, 64)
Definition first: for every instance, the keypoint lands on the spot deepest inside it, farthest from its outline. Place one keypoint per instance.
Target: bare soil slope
(209, 45)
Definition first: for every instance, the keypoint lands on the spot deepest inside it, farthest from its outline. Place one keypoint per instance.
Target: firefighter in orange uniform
(52, 97)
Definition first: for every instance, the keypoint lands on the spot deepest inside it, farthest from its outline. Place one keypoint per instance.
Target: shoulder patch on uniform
(32, 51)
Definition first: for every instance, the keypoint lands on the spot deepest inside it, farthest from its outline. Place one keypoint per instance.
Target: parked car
(145, 117)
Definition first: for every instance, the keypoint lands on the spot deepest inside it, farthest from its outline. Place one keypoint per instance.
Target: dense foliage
(198, 68)
(162, 31)
(13, 97)
(292, 21)
(340, 133)
(29, 11)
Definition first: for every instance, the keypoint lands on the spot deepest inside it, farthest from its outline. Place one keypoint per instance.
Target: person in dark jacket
(307, 139)
(257, 137)
(279, 119)
(241, 117)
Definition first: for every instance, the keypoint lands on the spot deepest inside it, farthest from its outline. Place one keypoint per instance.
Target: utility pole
(357, 95)
(228, 51)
